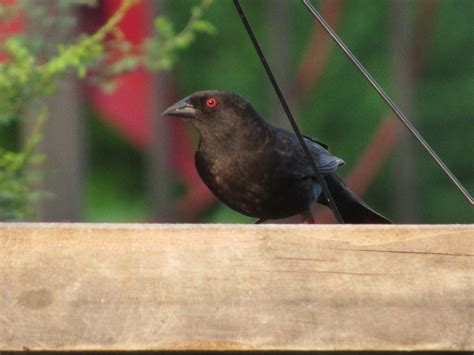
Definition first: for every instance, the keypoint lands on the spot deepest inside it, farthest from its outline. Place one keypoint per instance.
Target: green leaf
(164, 27)
(204, 26)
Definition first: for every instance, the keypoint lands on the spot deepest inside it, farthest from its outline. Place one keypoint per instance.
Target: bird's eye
(211, 102)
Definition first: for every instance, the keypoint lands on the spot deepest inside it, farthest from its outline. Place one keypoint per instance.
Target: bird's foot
(307, 217)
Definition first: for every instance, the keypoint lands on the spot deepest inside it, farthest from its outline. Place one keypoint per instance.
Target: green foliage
(158, 52)
(27, 75)
(34, 63)
(162, 49)
(16, 199)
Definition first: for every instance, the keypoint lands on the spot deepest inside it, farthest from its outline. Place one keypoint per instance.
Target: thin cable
(389, 101)
(326, 192)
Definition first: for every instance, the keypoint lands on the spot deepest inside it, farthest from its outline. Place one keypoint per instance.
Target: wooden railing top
(222, 287)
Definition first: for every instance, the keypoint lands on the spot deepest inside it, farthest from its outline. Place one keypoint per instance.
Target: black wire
(389, 101)
(326, 192)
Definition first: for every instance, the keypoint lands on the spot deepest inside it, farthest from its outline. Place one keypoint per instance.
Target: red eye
(211, 102)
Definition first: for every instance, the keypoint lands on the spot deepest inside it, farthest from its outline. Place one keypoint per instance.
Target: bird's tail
(350, 206)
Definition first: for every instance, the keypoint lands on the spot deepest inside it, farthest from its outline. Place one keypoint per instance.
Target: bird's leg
(259, 221)
(307, 217)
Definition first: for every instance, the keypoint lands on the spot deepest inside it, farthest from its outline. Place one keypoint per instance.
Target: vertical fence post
(61, 144)
(405, 175)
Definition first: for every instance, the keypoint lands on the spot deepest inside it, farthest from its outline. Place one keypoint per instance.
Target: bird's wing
(324, 145)
(326, 162)
(291, 153)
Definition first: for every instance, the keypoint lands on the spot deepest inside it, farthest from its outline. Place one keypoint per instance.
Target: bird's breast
(253, 185)
(235, 179)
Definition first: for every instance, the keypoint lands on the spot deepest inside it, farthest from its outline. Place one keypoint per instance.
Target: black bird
(259, 169)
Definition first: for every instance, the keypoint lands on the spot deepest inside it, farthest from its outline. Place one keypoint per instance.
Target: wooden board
(267, 287)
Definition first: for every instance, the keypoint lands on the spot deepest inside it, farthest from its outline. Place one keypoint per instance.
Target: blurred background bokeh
(81, 132)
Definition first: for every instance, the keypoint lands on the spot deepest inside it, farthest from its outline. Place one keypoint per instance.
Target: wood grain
(222, 287)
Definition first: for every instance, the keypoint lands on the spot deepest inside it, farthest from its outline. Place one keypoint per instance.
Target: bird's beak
(182, 108)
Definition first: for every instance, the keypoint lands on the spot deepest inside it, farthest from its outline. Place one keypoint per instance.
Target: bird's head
(213, 110)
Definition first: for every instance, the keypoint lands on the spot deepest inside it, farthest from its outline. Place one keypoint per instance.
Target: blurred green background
(341, 110)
